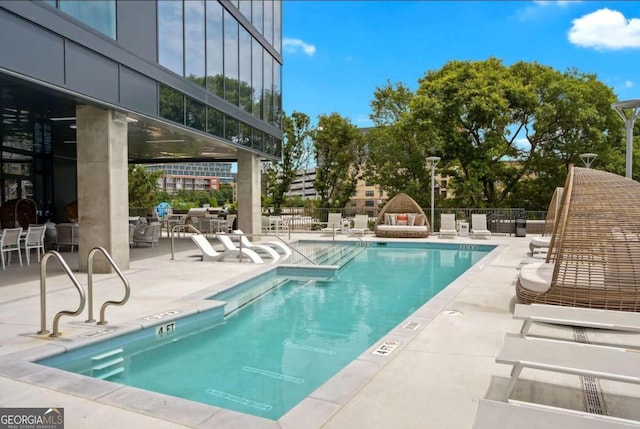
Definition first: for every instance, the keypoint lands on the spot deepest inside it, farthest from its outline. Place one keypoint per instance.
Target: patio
(433, 379)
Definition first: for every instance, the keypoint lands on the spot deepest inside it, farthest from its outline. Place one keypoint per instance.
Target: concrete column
(103, 194)
(249, 210)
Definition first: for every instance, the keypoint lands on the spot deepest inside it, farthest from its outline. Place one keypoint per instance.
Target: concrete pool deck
(434, 378)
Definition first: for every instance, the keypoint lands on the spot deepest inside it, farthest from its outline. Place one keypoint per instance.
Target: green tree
(398, 145)
(295, 155)
(144, 191)
(505, 134)
(338, 152)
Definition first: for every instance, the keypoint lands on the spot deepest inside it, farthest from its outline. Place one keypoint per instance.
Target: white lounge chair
(524, 415)
(543, 241)
(210, 254)
(258, 248)
(334, 223)
(448, 225)
(611, 363)
(230, 247)
(360, 224)
(278, 246)
(576, 316)
(479, 226)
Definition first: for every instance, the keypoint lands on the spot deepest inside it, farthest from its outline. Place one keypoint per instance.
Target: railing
(181, 226)
(278, 237)
(127, 287)
(499, 220)
(43, 295)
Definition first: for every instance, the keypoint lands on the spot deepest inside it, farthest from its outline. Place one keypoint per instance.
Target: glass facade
(203, 42)
(97, 14)
(25, 151)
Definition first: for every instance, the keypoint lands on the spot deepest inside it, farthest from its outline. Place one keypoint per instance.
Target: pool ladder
(83, 298)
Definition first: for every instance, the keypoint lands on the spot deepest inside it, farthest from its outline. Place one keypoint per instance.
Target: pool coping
(316, 409)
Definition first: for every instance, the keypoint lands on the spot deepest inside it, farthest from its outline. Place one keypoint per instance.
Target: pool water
(269, 355)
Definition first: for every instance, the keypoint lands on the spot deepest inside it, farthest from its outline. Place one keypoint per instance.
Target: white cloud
(536, 8)
(628, 84)
(561, 3)
(605, 29)
(293, 46)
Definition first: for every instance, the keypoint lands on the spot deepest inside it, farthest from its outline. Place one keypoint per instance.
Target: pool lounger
(524, 415)
(611, 363)
(576, 316)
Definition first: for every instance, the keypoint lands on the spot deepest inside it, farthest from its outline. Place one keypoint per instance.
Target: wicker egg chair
(595, 245)
(401, 203)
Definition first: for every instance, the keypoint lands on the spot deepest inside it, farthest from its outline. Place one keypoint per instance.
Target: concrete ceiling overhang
(150, 140)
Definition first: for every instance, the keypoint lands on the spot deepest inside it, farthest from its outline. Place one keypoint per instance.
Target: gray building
(89, 86)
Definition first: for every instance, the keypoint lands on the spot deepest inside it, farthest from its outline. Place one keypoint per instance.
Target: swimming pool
(267, 356)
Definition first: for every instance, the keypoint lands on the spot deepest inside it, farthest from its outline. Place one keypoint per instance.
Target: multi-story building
(193, 176)
(302, 185)
(89, 86)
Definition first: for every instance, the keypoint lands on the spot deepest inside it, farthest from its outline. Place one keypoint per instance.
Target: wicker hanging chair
(17, 213)
(595, 245)
(402, 203)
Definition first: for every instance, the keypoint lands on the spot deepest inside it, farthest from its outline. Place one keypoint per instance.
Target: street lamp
(432, 161)
(628, 120)
(588, 158)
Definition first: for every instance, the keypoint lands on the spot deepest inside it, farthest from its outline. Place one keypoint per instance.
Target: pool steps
(107, 364)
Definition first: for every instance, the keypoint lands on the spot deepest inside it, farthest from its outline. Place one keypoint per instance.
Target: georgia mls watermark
(31, 418)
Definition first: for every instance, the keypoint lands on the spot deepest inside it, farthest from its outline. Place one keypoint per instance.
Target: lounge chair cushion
(537, 276)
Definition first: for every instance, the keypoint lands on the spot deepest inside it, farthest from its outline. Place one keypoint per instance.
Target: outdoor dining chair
(10, 242)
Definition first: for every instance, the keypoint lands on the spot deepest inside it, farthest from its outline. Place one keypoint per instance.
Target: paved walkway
(433, 379)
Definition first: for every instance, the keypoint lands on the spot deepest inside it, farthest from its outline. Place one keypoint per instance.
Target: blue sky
(337, 52)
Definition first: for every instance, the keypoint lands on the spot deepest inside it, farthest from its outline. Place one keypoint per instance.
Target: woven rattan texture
(401, 203)
(596, 244)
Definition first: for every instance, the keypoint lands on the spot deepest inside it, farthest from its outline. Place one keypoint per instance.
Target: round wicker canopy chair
(549, 221)
(593, 260)
(391, 219)
(17, 213)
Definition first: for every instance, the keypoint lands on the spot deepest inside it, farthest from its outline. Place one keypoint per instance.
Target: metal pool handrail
(43, 294)
(181, 226)
(127, 287)
(285, 243)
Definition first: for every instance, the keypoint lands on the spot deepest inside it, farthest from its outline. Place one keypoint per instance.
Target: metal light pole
(433, 160)
(635, 113)
(588, 158)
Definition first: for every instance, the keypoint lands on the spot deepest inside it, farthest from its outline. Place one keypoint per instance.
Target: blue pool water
(270, 354)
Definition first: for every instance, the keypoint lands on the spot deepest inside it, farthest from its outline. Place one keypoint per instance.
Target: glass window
(277, 95)
(245, 135)
(231, 129)
(258, 140)
(230, 59)
(215, 122)
(368, 203)
(368, 193)
(170, 35)
(277, 26)
(268, 21)
(246, 99)
(267, 100)
(195, 115)
(215, 73)
(245, 8)
(194, 55)
(98, 14)
(256, 15)
(256, 78)
(171, 104)
(50, 2)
